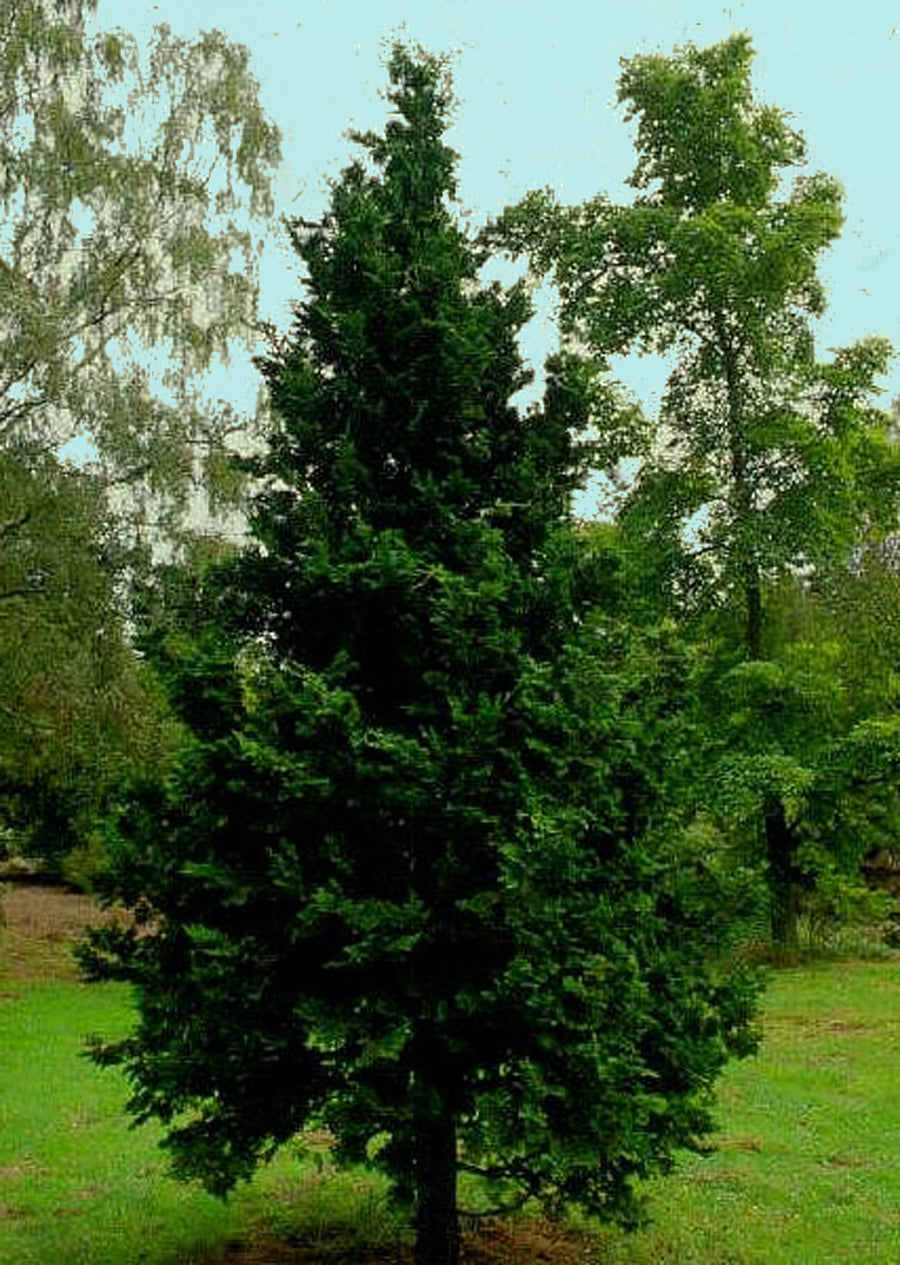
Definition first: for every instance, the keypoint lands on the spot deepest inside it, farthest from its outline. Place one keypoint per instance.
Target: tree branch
(16, 593)
(15, 523)
(501, 1210)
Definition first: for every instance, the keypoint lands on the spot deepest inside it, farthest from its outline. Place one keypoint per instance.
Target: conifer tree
(400, 885)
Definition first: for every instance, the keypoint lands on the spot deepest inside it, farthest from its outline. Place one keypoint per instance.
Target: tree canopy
(778, 461)
(767, 462)
(130, 183)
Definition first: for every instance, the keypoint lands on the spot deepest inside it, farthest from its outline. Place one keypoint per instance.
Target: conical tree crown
(394, 388)
(399, 879)
(410, 506)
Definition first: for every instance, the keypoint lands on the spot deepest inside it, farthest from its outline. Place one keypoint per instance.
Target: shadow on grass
(322, 1215)
(520, 1242)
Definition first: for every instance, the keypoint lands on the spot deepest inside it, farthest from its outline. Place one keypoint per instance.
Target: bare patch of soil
(537, 1242)
(816, 1027)
(38, 926)
(521, 1242)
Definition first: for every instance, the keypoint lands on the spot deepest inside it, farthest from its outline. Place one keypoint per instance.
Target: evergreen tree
(400, 885)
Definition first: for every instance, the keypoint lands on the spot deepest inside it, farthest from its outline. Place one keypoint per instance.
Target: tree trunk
(434, 1152)
(437, 1222)
(781, 849)
(754, 615)
(741, 498)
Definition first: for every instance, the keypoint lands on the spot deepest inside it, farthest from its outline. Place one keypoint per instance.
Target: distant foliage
(77, 708)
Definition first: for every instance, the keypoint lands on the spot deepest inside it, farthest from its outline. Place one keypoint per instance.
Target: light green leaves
(111, 250)
(700, 133)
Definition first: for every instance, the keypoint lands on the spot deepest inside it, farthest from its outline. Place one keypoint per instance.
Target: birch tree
(133, 182)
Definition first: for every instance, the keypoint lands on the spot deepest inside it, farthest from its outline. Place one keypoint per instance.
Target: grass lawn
(806, 1170)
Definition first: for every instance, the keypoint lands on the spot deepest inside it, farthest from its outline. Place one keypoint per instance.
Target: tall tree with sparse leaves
(399, 886)
(780, 460)
(774, 460)
(130, 178)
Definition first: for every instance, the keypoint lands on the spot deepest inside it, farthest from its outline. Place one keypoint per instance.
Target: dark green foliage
(801, 754)
(839, 640)
(404, 882)
(76, 708)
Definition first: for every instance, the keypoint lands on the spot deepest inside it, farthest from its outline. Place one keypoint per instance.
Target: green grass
(78, 1187)
(806, 1172)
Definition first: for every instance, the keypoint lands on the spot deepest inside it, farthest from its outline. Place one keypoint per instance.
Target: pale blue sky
(536, 82)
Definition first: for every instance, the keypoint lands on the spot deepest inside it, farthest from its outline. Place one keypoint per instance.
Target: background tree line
(130, 180)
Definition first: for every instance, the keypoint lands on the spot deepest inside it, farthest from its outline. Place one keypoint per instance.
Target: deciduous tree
(129, 178)
(774, 460)
(77, 707)
(130, 184)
